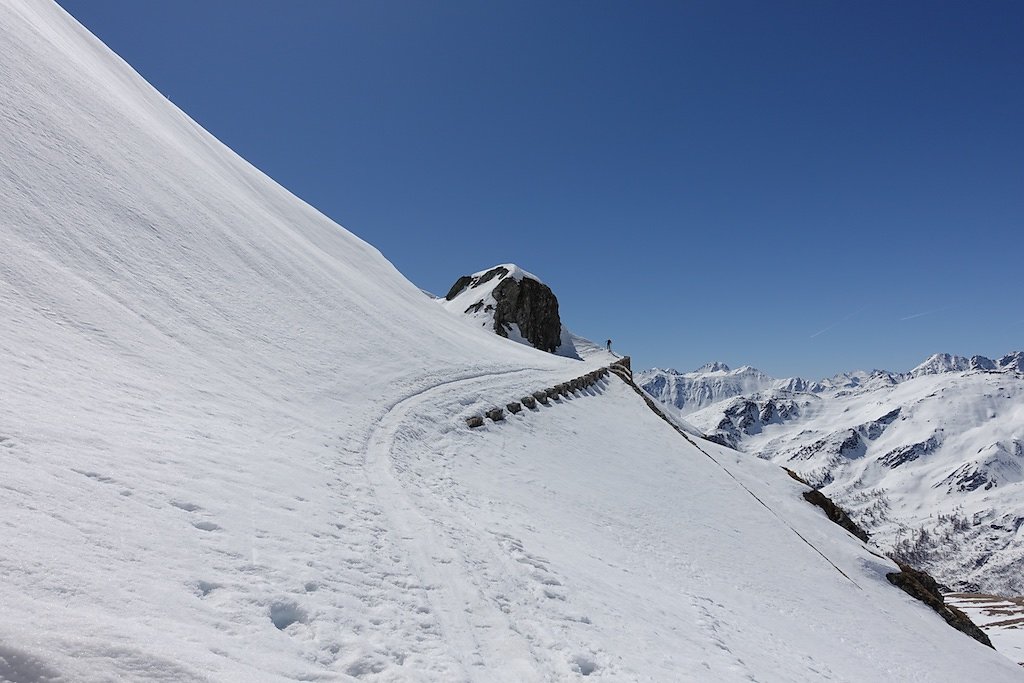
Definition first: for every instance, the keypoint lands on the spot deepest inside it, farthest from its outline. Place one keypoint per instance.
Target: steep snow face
(232, 448)
(513, 303)
(192, 362)
(620, 550)
(932, 466)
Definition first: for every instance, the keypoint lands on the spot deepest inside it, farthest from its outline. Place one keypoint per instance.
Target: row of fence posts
(545, 396)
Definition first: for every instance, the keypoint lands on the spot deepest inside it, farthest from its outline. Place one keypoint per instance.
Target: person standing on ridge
(609, 346)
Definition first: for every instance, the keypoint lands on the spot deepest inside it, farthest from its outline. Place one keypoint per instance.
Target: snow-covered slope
(931, 465)
(232, 449)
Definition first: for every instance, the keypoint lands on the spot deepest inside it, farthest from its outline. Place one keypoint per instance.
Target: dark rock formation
(834, 512)
(496, 414)
(982, 363)
(922, 586)
(475, 421)
(460, 284)
(526, 303)
(904, 454)
(969, 477)
(533, 307)
(514, 407)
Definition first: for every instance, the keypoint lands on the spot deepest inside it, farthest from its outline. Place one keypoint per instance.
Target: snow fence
(545, 397)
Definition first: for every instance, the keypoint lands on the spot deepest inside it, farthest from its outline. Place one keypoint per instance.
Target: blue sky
(807, 187)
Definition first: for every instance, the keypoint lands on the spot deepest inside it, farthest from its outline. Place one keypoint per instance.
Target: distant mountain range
(688, 392)
(930, 461)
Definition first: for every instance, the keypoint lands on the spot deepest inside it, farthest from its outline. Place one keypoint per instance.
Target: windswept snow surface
(232, 448)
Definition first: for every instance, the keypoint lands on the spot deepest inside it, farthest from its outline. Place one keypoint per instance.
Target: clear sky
(807, 187)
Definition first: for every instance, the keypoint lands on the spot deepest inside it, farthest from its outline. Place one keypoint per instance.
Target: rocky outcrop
(921, 585)
(835, 513)
(532, 306)
(515, 304)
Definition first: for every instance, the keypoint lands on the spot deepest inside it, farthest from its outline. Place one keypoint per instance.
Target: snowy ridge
(232, 448)
(711, 383)
(931, 465)
(715, 381)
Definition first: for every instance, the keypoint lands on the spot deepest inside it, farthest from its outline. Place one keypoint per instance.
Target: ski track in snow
(474, 636)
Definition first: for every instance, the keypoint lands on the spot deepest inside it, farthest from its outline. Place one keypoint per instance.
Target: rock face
(533, 307)
(515, 304)
(921, 585)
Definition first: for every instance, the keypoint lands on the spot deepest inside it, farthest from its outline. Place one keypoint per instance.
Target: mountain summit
(713, 366)
(515, 304)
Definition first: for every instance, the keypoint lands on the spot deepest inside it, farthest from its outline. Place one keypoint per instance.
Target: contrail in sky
(918, 315)
(843, 320)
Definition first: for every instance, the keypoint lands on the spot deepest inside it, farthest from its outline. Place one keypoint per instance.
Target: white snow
(232, 448)
(1001, 618)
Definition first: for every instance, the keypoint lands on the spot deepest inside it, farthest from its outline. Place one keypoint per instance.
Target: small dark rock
(496, 414)
(514, 407)
(475, 421)
(459, 285)
(530, 402)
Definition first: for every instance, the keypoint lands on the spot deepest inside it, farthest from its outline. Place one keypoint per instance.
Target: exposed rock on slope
(921, 585)
(516, 304)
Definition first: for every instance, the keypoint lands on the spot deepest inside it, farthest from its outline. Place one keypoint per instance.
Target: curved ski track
(479, 634)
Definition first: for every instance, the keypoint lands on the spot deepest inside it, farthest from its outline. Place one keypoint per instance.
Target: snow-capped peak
(713, 366)
(1012, 362)
(941, 362)
(490, 277)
